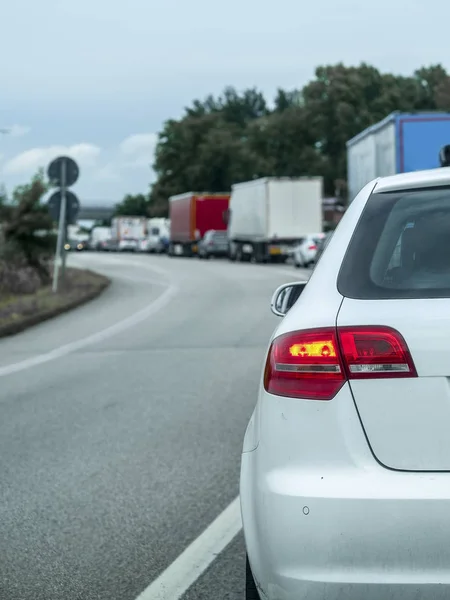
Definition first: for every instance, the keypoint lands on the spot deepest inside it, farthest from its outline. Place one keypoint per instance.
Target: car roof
(415, 179)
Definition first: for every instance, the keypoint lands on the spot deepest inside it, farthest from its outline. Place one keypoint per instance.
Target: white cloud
(31, 160)
(109, 172)
(140, 144)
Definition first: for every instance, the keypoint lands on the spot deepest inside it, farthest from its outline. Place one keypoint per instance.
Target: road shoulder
(18, 313)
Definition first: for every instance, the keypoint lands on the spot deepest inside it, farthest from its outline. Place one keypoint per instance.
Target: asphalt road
(122, 426)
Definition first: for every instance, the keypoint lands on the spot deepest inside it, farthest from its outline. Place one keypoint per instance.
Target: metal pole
(64, 255)
(62, 220)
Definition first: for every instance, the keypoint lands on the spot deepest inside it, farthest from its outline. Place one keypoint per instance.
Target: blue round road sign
(54, 171)
(72, 206)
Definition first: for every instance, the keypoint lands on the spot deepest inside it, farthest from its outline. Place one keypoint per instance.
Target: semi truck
(268, 216)
(128, 232)
(193, 214)
(400, 143)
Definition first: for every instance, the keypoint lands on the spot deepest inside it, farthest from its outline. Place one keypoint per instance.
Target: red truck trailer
(191, 215)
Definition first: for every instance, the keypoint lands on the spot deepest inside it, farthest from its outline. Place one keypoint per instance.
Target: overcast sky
(96, 79)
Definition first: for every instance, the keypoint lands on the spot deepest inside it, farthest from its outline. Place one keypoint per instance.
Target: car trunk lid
(407, 420)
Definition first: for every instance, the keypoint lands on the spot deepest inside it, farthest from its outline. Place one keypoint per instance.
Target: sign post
(61, 227)
(64, 172)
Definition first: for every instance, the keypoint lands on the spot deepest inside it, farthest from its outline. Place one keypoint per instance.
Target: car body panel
(407, 421)
(314, 503)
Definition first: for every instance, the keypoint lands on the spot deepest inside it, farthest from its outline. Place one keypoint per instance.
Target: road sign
(72, 206)
(54, 171)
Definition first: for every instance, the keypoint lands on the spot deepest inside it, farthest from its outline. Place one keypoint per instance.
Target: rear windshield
(400, 248)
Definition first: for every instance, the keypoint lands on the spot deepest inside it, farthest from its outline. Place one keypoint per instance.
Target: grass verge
(17, 313)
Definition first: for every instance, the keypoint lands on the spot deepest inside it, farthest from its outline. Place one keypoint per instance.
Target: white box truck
(99, 238)
(268, 216)
(129, 231)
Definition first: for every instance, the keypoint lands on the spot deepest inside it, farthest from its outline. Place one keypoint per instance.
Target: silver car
(214, 243)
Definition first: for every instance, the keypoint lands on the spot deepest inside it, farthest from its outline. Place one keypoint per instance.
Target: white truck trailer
(268, 216)
(129, 231)
(99, 238)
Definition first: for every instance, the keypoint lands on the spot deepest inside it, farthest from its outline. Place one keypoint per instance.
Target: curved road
(122, 426)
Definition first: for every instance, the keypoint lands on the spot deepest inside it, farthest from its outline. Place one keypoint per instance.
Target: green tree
(286, 144)
(28, 227)
(235, 137)
(3, 197)
(431, 82)
(133, 205)
(208, 148)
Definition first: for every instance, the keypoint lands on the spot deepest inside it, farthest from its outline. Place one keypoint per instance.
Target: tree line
(239, 136)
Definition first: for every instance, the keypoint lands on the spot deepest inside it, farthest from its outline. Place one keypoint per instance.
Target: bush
(17, 279)
(27, 241)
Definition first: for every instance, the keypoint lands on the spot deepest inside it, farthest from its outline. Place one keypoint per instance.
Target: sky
(96, 79)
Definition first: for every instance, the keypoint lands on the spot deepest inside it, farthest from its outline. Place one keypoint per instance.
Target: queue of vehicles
(126, 234)
(265, 220)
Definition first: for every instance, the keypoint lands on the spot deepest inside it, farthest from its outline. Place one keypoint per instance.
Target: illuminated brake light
(304, 364)
(314, 364)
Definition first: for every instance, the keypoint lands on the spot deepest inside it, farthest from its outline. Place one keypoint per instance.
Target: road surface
(122, 426)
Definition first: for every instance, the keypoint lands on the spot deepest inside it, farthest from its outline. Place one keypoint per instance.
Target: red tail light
(305, 364)
(312, 247)
(314, 364)
(374, 352)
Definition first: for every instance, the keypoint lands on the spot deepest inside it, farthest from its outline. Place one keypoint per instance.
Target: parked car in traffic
(75, 245)
(345, 473)
(110, 245)
(305, 250)
(128, 245)
(321, 245)
(153, 243)
(214, 243)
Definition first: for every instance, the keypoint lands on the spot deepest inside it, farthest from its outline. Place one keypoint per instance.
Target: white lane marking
(189, 566)
(100, 336)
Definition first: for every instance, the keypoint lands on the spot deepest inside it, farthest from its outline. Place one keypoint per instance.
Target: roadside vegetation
(27, 246)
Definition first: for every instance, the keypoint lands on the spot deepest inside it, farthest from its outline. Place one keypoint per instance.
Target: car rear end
(322, 244)
(305, 252)
(144, 245)
(216, 244)
(345, 478)
(128, 245)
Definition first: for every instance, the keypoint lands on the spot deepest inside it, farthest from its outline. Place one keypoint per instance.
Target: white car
(144, 245)
(128, 245)
(305, 251)
(345, 473)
